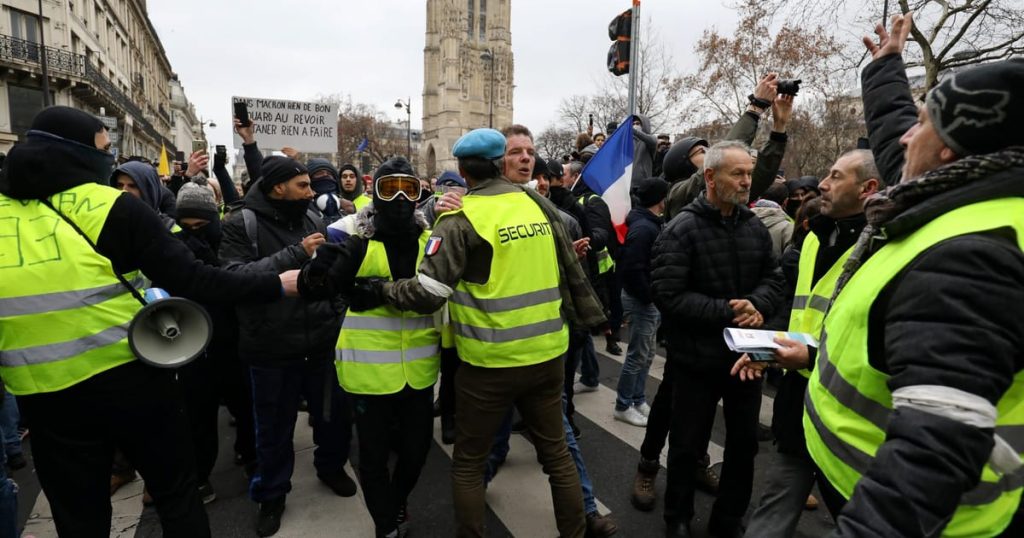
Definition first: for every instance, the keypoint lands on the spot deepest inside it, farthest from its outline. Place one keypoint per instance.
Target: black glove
(325, 257)
(314, 281)
(366, 293)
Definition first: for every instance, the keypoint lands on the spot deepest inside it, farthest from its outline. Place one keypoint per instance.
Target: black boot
(268, 521)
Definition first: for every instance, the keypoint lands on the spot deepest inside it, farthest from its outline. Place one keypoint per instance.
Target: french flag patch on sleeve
(432, 246)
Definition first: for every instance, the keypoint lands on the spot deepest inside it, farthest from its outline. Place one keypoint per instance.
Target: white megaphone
(169, 332)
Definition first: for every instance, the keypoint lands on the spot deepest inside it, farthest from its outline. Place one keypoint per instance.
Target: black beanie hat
(394, 166)
(279, 170)
(540, 166)
(980, 110)
(650, 191)
(68, 123)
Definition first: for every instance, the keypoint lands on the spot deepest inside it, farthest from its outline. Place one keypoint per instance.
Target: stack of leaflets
(760, 345)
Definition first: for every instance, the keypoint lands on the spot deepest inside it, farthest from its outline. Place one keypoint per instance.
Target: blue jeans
(499, 451)
(9, 418)
(643, 330)
(8, 491)
(275, 394)
(589, 371)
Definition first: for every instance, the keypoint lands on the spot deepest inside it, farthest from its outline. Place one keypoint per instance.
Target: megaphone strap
(124, 281)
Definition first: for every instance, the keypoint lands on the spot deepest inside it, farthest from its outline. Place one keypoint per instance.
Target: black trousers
(660, 419)
(694, 403)
(409, 414)
(74, 431)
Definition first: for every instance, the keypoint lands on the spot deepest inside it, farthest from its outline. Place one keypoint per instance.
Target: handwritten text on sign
(305, 126)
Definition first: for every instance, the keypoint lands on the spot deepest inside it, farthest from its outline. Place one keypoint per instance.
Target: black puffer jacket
(702, 260)
(278, 333)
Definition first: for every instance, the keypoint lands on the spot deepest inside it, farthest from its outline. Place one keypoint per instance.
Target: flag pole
(634, 55)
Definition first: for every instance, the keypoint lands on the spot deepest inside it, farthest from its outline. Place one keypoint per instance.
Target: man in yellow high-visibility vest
(915, 409)
(509, 323)
(65, 240)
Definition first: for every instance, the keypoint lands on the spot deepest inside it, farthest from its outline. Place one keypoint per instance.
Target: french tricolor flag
(609, 173)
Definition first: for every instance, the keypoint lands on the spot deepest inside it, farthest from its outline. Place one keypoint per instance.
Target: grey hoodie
(644, 147)
(154, 194)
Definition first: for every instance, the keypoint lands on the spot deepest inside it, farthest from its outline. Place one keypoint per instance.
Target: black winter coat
(292, 328)
(703, 260)
(634, 265)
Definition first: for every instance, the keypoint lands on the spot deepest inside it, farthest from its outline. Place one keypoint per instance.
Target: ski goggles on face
(388, 188)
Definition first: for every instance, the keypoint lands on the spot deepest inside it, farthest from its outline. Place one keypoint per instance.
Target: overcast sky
(374, 50)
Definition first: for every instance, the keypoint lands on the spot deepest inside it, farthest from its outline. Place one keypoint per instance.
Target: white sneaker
(630, 416)
(644, 409)
(580, 388)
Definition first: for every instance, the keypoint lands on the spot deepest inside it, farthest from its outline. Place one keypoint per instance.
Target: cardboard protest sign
(306, 126)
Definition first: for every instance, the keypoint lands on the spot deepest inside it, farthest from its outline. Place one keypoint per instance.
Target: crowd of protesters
(351, 296)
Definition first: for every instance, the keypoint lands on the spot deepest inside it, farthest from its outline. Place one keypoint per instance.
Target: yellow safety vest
(848, 401)
(605, 262)
(64, 315)
(383, 349)
(810, 303)
(362, 201)
(515, 318)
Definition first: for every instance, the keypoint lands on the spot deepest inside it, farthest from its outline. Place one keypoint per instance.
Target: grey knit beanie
(197, 201)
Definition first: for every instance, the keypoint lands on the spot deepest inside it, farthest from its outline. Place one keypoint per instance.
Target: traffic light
(620, 30)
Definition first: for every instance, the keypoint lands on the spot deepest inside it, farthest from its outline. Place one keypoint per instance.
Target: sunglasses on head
(389, 187)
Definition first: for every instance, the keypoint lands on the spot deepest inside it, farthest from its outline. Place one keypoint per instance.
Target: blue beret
(486, 143)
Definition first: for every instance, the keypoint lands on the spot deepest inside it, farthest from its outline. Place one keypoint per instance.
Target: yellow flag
(164, 167)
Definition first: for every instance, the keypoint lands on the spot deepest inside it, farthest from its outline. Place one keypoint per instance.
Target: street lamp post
(488, 56)
(42, 59)
(408, 126)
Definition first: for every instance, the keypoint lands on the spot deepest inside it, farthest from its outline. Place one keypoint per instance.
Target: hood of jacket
(359, 183)
(146, 179)
(45, 164)
(645, 123)
(771, 216)
(677, 165)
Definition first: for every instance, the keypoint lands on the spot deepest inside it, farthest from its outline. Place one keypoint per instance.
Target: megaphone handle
(166, 324)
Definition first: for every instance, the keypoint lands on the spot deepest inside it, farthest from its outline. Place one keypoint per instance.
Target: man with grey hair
(811, 281)
(713, 268)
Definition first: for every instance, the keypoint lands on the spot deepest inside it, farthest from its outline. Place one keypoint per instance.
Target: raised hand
(891, 42)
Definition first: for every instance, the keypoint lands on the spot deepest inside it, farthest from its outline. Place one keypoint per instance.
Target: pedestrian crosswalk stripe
(519, 494)
(658, 369)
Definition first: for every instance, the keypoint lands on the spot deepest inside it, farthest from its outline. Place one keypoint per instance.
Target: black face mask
(395, 216)
(292, 210)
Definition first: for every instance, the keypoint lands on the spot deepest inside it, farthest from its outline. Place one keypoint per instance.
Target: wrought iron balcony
(62, 61)
(16, 50)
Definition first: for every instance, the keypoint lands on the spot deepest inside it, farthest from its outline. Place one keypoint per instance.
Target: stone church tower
(466, 39)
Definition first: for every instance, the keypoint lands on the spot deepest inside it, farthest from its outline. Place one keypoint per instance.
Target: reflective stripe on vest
(63, 300)
(848, 402)
(810, 303)
(63, 313)
(515, 318)
(383, 349)
(605, 262)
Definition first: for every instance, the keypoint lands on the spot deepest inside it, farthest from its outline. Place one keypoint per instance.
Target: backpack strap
(249, 220)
